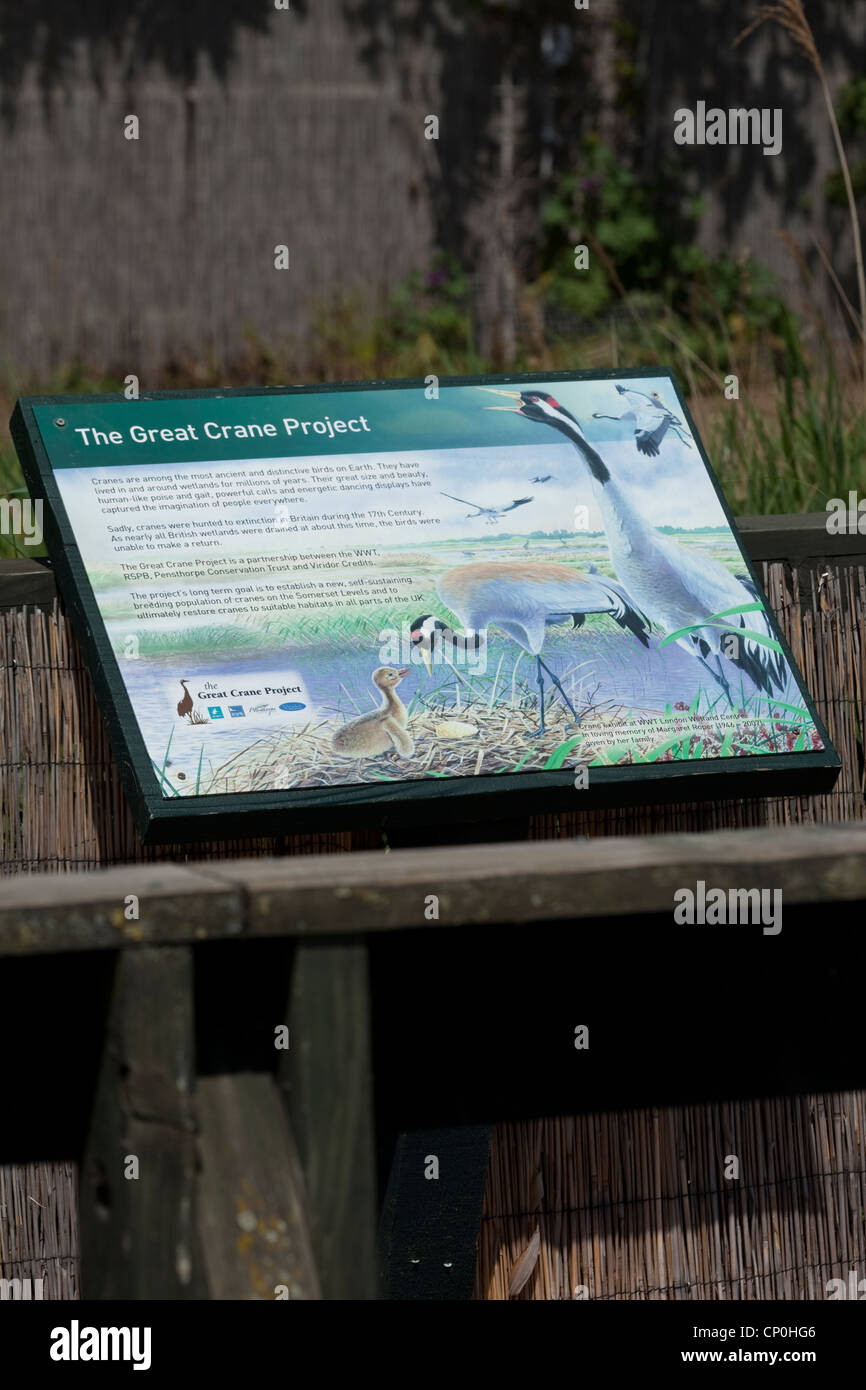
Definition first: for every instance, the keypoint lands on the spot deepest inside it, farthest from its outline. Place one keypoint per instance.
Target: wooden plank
(797, 537)
(138, 1233)
(26, 583)
(252, 1219)
(537, 881)
(473, 885)
(431, 1217)
(327, 1076)
(83, 912)
(526, 882)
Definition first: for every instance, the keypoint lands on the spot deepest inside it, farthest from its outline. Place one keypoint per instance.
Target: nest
(505, 741)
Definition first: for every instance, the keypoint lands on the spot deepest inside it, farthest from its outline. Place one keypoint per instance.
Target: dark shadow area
(54, 1016)
(478, 1026)
(240, 998)
(476, 47)
(693, 57)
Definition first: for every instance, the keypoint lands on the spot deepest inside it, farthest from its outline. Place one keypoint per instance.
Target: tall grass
(795, 437)
(794, 446)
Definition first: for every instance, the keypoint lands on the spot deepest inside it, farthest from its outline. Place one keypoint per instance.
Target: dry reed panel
(166, 253)
(62, 806)
(635, 1205)
(39, 1226)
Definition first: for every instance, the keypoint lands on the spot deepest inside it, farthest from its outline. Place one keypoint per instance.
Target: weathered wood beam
(799, 537)
(252, 1217)
(115, 907)
(326, 1073)
(26, 583)
(138, 1178)
(474, 885)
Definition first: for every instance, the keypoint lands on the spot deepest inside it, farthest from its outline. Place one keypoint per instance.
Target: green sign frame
(44, 434)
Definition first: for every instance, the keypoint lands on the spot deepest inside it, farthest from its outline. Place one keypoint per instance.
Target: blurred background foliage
(652, 293)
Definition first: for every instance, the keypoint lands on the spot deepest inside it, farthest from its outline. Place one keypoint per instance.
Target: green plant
(603, 204)
(711, 310)
(795, 446)
(851, 115)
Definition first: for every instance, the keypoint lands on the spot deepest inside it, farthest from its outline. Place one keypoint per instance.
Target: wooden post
(326, 1072)
(428, 1238)
(252, 1220)
(137, 1200)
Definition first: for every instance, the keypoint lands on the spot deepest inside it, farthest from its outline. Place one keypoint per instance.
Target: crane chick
(383, 730)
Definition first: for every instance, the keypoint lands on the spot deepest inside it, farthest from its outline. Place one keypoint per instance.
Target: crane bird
(652, 420)
(522, 598)
(676, 588)
(184, 706)
(491, 514)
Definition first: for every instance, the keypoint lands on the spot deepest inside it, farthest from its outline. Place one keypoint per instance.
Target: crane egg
(455, 728)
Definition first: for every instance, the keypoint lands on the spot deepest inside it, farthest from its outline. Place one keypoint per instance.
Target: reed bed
(39, 1226)
(504, 741)
(501, 739)
(634, 1204)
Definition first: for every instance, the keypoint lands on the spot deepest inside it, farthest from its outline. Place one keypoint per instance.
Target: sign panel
(321, 605)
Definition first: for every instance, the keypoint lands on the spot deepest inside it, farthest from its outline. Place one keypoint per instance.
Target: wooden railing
(233, 1196)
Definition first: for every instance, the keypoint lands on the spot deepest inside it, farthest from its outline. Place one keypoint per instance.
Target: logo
(187, 710)
(739, 906)
(19, 518)
(76, 1343)
(209, 702)
(856, 1287)
(846, 520)
(736, 126)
